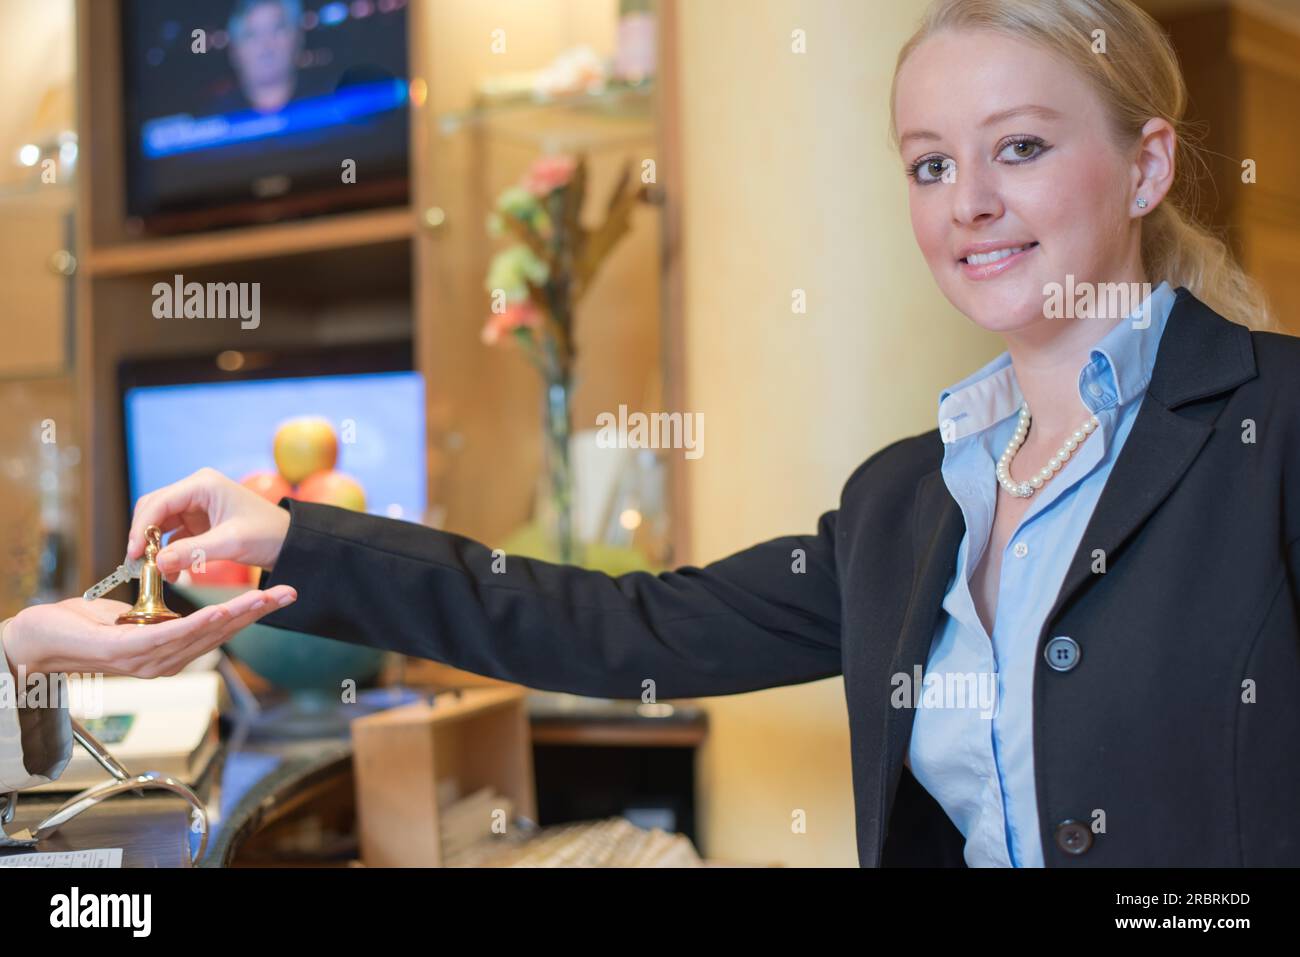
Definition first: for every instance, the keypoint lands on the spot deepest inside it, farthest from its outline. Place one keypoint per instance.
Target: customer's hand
(79, 635)
(213, 513)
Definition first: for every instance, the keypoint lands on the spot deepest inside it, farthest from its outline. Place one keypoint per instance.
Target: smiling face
(1038, 188)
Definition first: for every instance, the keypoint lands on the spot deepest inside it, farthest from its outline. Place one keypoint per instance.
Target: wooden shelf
(626, 734)
(384, 274)
(341, 231)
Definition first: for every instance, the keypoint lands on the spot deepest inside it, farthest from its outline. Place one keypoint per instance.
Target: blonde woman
(1066, 617)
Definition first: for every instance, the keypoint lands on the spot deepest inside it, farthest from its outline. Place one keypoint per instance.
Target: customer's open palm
(79, 635)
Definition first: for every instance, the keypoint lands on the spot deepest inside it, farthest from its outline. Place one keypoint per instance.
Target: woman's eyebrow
(1030, 109)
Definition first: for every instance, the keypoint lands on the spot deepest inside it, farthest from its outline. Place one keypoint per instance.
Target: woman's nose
(974, 194)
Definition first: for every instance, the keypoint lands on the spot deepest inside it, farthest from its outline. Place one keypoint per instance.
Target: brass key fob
(149, 606)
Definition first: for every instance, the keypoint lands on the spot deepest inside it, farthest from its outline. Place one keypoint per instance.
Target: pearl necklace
(1026, 489)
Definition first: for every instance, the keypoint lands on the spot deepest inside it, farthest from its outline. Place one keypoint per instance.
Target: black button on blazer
(1173, 740)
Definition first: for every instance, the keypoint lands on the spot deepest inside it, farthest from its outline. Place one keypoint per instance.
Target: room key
(124, 572)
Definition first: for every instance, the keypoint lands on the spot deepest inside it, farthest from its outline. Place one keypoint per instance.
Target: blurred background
(703, 171)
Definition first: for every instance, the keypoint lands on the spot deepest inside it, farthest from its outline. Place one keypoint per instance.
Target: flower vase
(557, 519)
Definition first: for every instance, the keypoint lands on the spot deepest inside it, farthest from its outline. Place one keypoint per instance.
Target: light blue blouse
(972, 736)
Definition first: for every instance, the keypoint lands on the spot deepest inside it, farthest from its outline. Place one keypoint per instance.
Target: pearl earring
(1142, 203)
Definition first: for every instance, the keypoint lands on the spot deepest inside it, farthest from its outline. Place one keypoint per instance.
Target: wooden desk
(296, 782)
(152, 831)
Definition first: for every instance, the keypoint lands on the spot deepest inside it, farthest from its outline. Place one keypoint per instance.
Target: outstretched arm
(766, 616)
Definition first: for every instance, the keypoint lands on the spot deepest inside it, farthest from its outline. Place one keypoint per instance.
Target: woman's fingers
(174, 652)
(133, 649)
(234, 609)
(141, 649)
(166, 508)
(275, 598)
(263, 604)
(146, 640)
(213, 518)
(209, 546)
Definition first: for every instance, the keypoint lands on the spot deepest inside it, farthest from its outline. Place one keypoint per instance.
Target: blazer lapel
(938, 527)
(1201, 354)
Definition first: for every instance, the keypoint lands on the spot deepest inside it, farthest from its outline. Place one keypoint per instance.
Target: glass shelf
(572, 131)
(627, 108)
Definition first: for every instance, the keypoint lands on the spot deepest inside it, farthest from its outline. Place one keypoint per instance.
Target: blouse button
(1021, 550)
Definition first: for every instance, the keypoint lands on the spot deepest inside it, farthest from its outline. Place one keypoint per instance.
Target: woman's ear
(1153, 166)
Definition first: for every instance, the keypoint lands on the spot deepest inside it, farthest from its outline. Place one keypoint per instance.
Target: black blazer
(1180, 722)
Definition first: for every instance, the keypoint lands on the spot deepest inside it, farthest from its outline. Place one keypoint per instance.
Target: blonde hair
(1137, 78)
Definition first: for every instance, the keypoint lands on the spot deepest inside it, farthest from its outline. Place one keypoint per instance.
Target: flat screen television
(242, 111)
(182, 414)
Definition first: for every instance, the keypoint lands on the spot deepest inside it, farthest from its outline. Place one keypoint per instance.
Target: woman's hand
(79, 635)
(213, 513)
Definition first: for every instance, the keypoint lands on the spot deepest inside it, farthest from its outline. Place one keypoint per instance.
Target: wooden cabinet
(412, 273)
(34, 323)
(1242, 66)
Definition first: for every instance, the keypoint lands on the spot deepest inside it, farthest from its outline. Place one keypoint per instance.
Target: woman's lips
(989, 270)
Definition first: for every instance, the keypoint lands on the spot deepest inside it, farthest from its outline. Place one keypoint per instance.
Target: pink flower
(518, 315)
(549, 173)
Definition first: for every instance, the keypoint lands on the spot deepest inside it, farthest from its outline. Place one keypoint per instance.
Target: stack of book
(169, 725)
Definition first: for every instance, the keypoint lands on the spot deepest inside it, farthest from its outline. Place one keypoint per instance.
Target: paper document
(91, 857)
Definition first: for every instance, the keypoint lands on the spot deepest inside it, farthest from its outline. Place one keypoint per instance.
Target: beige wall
(790, 184)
